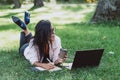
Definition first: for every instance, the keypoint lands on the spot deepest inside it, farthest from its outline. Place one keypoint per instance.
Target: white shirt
(31, 52)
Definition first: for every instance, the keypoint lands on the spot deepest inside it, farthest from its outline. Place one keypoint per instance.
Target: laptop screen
(87, 58)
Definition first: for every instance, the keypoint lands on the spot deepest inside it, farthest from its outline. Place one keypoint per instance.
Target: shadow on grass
(33, 8)
(73, 24)
(76, 7)
(5, 7)
(9, 15)
(7, 27)
(77, 24)
(13, 27)
(71, 8)
(115, 23)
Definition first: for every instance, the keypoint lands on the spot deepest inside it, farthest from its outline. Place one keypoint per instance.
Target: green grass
(76, 34)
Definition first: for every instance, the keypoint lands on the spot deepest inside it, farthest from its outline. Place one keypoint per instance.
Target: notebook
(42, 69)
(85, 58)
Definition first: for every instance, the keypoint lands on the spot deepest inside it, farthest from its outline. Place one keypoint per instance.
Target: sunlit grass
(63, 13)
(71, 23)
(8, 39)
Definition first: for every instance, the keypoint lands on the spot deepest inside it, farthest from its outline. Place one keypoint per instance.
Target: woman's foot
(19, 22)
(27, 17)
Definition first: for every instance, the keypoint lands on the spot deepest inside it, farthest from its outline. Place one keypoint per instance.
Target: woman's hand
(59, 60)
(47, 66)
(65, 57)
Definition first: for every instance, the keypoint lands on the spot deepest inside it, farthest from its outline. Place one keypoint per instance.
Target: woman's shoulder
(57, 37)
(31, 42)
(57, 42)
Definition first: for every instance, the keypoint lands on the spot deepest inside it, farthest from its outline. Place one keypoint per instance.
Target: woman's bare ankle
(27, 31)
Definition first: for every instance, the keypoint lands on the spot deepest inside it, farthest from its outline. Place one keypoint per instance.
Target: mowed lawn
(71, 23)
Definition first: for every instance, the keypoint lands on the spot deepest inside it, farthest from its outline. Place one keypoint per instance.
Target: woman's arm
(44, 65)
(56, 58)
(32, 57)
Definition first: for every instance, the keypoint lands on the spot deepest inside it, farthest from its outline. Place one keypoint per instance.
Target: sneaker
(27, 17)
(19, 22)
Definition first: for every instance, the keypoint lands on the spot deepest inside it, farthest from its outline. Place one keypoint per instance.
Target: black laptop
(86, 58)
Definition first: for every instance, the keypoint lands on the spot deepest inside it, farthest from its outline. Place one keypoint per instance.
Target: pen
(49, 60)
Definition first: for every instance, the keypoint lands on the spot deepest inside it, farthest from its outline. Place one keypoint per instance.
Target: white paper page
(67, 65)
(54, 69)
(40, 68)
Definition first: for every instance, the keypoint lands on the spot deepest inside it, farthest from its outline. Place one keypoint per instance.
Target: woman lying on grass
(42, 46)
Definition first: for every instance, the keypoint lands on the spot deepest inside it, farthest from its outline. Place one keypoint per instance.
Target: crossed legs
(25, 34)
(25, 37)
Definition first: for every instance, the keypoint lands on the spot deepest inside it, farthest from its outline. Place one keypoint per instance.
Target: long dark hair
(42, 36)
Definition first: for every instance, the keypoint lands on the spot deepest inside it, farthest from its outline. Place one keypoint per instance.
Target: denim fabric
(24, 40)
(22, 49)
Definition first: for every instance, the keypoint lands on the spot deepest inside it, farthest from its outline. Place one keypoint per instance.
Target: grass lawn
(71, 25)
